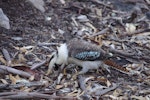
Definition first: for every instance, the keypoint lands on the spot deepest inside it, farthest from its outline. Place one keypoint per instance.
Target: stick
(33, 95)
(101, 32)
(15, 71)
(27, 84)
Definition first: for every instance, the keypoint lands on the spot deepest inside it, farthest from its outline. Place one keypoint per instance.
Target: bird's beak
(51, 64)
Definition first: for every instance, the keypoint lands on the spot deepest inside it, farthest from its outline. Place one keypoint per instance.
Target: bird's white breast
(62, 54)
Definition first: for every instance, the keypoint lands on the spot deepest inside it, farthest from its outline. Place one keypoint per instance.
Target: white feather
(60, 58)
(62, 54)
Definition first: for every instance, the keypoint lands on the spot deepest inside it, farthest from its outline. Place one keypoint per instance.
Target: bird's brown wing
(84, 50)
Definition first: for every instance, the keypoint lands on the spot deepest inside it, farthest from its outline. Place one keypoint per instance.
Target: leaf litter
(120, 27)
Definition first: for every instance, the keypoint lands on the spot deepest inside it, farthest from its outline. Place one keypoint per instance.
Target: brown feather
(76, 46)
(115, 66)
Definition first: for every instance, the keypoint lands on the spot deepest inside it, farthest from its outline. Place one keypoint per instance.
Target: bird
(84, 54)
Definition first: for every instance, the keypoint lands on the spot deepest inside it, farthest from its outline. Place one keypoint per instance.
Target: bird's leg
(49, 71)
(62, 66)
(83, 71)
(75, 75)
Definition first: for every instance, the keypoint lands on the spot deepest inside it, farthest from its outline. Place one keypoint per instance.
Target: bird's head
(59, 57)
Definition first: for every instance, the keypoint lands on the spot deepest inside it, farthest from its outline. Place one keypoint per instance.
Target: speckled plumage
(91, 55)
(83, 50)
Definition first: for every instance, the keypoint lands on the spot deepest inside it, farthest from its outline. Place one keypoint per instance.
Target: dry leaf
(32, 78)
(117, 92)
(21, 58)
(59, 86)
(106, 42)
(130, 28)
(28, 89)
(148, 2)
(22, 81)
(2, 60)
(18, 77)
(108, 83)
(91, 26)
(102, 80)
(12, 78)
(62, 1)
(39, 4)
(59, 78)
(133, 88)
(4, 21)
(98, 39)
(4, 81)
(138, 97)
(74, 93)
(25, 49)
(98, 12)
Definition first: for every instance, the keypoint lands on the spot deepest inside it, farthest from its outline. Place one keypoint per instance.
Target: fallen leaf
(39, 4)
(4, 81)
(12, 78)
(117, 92)
(59, 87)
(3, 60)
(74, 93)
(130, 28)
(138, 97)
(4, 20)
(108, 83)
(25, 49)
(21, 58)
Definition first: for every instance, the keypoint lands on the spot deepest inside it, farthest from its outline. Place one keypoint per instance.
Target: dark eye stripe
(51, 57)
(57, 65)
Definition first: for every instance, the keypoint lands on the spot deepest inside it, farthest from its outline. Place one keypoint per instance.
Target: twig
(15, 71)
(7, 56)
(130, 55)
(101, 32)
(134, 33)
(127, 42)
(47, 44)
(27, 84)
(102, 92)
(101, 3)
(31, 95)
(36, 65)
(3, 72)
(7, 93)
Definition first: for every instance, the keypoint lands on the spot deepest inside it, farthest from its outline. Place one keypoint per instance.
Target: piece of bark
(6, 56)
(27, 84)
(33, 95)
(15, 71)
(36, 65)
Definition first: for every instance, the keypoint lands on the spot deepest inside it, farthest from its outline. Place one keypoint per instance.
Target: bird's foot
(49, 71)
(75, 75)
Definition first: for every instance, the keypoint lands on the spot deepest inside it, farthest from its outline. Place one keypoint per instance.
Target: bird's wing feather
(87, 55)
(83, 50)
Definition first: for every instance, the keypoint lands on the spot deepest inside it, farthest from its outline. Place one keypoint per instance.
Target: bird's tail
(116, 66)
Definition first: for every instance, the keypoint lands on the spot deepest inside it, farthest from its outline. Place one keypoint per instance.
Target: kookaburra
(82, 53)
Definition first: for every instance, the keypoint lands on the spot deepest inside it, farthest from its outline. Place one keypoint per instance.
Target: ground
(119, 27)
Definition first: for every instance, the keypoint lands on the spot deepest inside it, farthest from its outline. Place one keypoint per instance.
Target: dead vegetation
(121, 27)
